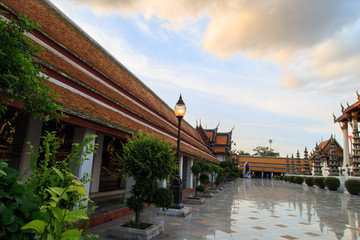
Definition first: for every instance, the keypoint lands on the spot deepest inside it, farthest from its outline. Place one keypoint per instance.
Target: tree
(196, 170)
(148, 160)
(220, 176)
(204, 175)
(242, 152)
(226, 163)
(213, 170)
(264, 151)
(21, 79)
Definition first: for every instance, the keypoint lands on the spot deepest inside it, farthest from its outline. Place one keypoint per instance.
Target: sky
(271, 69)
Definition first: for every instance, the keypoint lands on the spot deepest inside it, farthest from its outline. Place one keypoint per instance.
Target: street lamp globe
(180, 108)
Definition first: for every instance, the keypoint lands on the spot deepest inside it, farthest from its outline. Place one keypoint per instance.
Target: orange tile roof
(221, 140)
(111, 95)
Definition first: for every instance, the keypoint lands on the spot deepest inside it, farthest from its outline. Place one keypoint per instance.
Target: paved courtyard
(262, 209)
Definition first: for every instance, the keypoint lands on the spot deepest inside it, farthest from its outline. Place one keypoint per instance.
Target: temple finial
(232, 128)
(334, 117)
(342, 107)
(358, 95)
(347, 103)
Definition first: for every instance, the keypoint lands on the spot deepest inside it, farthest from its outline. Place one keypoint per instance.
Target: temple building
(100, 96)
(262, 166)
(219, 143)
(268, 167)
(327, 151)
(351, 116)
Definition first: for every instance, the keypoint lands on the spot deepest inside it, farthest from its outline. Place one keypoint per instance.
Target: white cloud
(332, 66)
(314, 41)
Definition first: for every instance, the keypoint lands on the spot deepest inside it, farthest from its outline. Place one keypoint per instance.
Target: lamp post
(176, 186)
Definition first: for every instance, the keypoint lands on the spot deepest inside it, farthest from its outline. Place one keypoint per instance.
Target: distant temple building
(328, 149)
(219, 142)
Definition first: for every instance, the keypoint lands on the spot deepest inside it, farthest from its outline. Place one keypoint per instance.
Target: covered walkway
(263, 209)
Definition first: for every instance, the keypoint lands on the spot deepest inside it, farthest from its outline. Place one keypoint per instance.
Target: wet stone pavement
(262, 209)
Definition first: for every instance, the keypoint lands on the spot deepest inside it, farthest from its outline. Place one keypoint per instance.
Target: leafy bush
(200, 188)
(234, 174)
(298, 180)
(44, 168)
(292, 179)
(281, 178)
(196, 170)
(286, 178)
(319, 181)
(63, 196)
(227, 170)
(220, 176)
(62, 223)
(332, 183)
(352, 186)
(204, 179)
(18, 205)
(148, 160)
(309, 181)
(226, 163)
(212, 170)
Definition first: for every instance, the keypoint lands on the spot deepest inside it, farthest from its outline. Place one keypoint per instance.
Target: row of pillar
(32, 133)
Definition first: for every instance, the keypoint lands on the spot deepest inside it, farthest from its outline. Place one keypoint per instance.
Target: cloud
(313, 41)
(174, 12)
(332, 66)
(257, 27)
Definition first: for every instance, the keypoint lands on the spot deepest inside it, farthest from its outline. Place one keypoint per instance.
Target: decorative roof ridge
(345, 111)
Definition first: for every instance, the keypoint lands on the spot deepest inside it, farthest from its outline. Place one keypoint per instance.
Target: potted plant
(213, 170)
(148, 161)
(196, 171)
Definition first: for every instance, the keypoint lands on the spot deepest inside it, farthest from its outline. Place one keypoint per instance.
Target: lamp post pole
(176, 184)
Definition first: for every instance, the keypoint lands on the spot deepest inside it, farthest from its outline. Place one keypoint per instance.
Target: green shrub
(281, 178)
(309, 181)
(352, 186)
(226, 163)
(63, 196)
(200, 188)
(234, 174)
(332, 183)
(43, 164)
(196, 170)
(212, 170)
(286, 178)
(298, 180)
(148, 160)
(204, 179)
(18, 205)
(292, 179)
(319, 181)
(220, 176)
(219, 179)
(227, 170)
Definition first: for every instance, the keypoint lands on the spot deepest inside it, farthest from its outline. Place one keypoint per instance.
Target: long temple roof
(95, 89)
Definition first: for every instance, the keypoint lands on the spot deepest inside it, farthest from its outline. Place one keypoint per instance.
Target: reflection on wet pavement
(265, 209)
